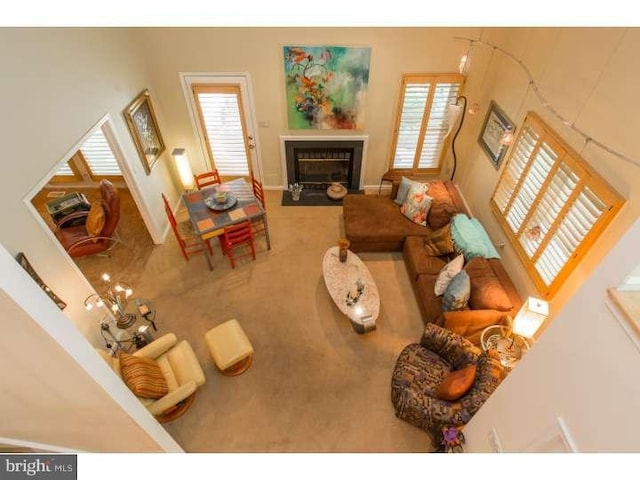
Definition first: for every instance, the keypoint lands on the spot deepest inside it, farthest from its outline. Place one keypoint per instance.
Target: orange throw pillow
(95, 220)
(456, 384)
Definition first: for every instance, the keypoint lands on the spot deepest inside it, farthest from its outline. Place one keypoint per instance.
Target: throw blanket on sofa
(470, 238)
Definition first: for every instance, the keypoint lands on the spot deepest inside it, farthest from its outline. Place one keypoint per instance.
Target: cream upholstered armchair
(164, 375)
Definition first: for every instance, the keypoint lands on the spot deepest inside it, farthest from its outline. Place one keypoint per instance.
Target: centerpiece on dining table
(221, 200)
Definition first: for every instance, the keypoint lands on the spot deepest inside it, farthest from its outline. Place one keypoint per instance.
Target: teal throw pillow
(470, 238)
(403, 189)
(456, 295)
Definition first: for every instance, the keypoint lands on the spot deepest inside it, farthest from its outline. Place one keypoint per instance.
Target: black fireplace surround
(316, 164)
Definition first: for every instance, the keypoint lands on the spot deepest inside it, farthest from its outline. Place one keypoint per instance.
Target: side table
(510, 349)
(136, 334)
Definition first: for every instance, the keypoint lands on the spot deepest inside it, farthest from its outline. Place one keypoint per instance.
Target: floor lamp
(456, 111)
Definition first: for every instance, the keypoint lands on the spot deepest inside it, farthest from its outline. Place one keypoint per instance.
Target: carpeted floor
(315, 385)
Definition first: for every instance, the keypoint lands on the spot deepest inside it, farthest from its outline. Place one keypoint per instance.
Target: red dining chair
(188, 241)
(238, 235)
(258, 223)
(258, 191)
(207, 179)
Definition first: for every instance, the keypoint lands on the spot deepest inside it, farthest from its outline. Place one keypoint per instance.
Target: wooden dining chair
(188, 241)
(258, 191)
(238, 235)
(258, 224)
(207, 179)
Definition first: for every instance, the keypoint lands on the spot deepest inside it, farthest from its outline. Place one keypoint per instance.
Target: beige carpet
(315, 385)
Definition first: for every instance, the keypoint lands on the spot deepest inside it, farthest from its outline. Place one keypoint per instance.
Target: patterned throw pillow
(456, 295)
(447, 273)
(439, 242)
(456, 384)
(403, 189)
(416, 205)
(143, 376)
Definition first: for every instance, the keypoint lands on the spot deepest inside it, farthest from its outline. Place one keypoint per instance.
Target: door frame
(127, 176)
(243, 79)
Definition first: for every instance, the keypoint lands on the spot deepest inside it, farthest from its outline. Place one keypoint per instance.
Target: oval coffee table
(352, 289)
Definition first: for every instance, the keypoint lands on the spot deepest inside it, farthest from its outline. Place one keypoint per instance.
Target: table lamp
(530, 317)
(510, 341)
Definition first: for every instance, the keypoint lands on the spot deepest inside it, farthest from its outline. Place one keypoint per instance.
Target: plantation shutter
(95, 159)
(422, 121)
(551, 204)
(415, 100)
(437, 125)
(222, 122)
(66, 171)
(99, 157)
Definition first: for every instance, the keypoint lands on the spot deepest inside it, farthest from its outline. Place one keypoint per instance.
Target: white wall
(584, 369)
(55, 86)
(57, 395)
(588, 75)
(258, 51)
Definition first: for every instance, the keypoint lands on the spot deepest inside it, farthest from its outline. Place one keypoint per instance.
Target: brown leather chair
(76, 240)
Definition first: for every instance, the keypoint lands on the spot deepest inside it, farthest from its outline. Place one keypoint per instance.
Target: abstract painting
(326, 86)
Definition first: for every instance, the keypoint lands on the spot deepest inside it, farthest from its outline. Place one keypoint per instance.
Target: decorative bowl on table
(221, 197)
(213, 203)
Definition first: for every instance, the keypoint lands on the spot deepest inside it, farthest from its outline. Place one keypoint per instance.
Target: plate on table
(213, 204)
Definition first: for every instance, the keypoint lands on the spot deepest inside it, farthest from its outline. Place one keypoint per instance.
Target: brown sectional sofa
(375, 223)
(493, 294)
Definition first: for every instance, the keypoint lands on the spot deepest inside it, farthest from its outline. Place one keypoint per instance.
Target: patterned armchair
(420, 369)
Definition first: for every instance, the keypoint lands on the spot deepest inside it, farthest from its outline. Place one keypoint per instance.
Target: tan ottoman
(230, 348)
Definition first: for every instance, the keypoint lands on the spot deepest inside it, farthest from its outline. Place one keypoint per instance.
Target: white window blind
(437, 124)
(422, 121)
(99, 157)
(551, 204)
(222, 122)
(65, 171)
(415, 99)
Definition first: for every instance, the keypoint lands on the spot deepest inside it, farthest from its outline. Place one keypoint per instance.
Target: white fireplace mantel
(322, 138)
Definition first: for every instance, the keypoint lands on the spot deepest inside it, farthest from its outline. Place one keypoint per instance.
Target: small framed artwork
(24, 263)
(143, 126)
(496, 124)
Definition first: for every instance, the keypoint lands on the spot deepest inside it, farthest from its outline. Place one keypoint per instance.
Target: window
(68, 172)
(99, 158)
(95, 159)
(551, 204)
(422, 123)
(219, 112)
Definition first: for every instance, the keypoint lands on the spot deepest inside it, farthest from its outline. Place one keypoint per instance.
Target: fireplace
(317, 162)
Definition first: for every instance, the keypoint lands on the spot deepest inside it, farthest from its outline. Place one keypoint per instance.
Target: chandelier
(114, 296)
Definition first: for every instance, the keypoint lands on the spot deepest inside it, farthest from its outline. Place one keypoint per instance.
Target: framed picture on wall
(143, 126)
(496, 125)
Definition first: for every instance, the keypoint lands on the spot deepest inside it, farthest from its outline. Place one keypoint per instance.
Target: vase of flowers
(295, 190)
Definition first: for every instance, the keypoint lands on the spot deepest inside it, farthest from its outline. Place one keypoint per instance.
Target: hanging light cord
(453, 142)
(534, 86)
